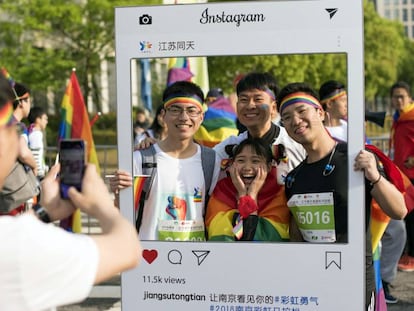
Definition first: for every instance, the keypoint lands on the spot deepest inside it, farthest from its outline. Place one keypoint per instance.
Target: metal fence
(105, 163)
(381, 142)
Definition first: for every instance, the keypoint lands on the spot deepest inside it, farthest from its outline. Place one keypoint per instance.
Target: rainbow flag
(379, 220)
(218, 124)
(179, 70)
(7, 75)
(139, 182)
(75, 124)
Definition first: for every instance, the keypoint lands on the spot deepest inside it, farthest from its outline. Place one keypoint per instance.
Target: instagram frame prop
(245, 276)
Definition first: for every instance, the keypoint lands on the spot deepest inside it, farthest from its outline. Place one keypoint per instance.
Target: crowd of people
(248, 187)
(43, 266)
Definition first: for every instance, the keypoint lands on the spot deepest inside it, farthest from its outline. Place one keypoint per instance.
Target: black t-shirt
(309, 178)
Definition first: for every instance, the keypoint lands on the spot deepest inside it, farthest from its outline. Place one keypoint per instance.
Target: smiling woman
(249, 205)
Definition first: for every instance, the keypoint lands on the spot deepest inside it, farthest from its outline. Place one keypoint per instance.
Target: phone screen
(72, 164)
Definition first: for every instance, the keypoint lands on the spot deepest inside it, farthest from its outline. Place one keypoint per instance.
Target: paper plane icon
(331, 12)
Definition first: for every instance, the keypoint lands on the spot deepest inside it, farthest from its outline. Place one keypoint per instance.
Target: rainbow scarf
(273, 213)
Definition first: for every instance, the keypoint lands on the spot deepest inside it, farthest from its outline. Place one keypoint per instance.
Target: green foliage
(311, 68)
(405, 70)
(42, 40)
(103, 130)
(384, 45)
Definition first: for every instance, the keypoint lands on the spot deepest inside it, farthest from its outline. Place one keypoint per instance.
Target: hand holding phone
(72, 160)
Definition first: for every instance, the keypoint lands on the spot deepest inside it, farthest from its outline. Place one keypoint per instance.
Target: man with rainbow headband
(302, 115)
(334, 101)
(402, 146)
(175, 206)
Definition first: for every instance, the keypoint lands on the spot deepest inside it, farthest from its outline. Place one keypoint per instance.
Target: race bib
(314, 215)
(181, 230)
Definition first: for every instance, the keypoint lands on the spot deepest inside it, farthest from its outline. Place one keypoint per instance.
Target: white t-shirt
(294, 151)
(176, 203)
(37, 147)
(43, 266)
(339, 132)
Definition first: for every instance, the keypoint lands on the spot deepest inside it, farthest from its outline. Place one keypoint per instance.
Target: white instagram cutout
(246, 276)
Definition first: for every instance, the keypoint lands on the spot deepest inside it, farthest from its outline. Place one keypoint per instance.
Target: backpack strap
(149, 167)
(208, 160)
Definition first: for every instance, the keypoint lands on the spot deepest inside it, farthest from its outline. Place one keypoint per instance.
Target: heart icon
(149, 255)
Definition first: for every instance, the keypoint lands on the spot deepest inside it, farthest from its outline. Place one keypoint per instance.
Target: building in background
(398, 10)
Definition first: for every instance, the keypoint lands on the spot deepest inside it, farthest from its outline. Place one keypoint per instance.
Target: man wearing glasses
(176, 202)
(402, 146)
(21, 106)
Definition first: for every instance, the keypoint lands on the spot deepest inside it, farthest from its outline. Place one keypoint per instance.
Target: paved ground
(403, 289)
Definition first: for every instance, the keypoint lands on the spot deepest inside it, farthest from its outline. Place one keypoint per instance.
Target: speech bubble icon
(175, 257)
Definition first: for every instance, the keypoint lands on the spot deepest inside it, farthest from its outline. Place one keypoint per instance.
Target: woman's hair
(257, 145)
(155, 125)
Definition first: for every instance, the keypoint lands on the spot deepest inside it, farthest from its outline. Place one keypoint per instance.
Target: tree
(384, 49)
(44, 39)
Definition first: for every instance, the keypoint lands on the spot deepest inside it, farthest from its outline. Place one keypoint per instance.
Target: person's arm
(389, 198)
(25, 155)
(385, 193)
(118, 245)
(120, 180)
(145, 143)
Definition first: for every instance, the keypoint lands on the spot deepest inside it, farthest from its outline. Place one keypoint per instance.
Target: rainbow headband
(270, 93)
(334, 95)
(6, 113)
(24, 96)
(299, 97)
(184, 99)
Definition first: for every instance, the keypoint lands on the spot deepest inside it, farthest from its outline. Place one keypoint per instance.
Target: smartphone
(72, 158)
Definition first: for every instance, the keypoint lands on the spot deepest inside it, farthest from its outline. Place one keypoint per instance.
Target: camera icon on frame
(145, 19)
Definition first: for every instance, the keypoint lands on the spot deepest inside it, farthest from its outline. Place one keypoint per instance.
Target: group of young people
(43, 266)
(260, 175)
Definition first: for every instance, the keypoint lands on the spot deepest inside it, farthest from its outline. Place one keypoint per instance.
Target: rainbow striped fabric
(179, 70)
(139, 182)
(218, 124)
(75, 124)
(7, 75)
(379, 220)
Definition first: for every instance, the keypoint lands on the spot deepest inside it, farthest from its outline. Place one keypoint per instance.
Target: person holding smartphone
(43, 266)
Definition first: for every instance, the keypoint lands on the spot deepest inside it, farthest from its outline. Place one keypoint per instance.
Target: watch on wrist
(41, 213)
